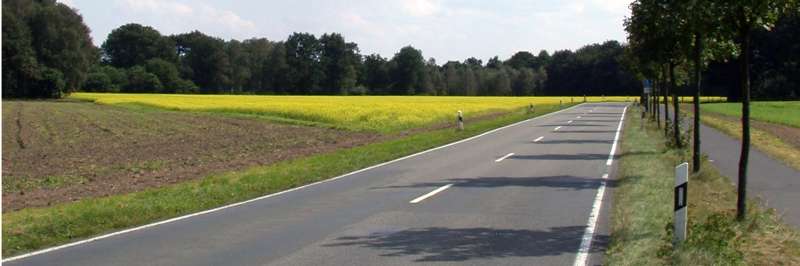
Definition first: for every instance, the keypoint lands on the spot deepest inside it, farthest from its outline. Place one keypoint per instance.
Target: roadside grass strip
(643, 207)
(784, 113)
(37, 228)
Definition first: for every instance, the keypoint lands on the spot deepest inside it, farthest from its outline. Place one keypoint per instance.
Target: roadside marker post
(460, 121)
(681, 209)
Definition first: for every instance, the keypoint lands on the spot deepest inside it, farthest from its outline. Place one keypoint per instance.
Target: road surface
(527, 194)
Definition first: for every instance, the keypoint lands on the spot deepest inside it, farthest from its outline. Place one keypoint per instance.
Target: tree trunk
(666, 101)
(676, 127)
(652, 102)
(744, 68)
(656, 106)
(698, 51)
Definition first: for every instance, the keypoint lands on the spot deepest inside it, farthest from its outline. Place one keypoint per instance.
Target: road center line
(588, 235)
(430, 194)
(504, 157)
(557, 128)
(538, 139)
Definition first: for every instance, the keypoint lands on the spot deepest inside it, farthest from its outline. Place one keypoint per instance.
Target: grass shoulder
(779, 112)
(642, 214)
(36, 228)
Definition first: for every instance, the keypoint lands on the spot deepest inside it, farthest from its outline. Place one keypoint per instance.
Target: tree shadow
(585, 131)
(575, 141)
(561, 181)
(602, 115)
(578, 156)
(598, 121)
(439, 244)
(573, 125)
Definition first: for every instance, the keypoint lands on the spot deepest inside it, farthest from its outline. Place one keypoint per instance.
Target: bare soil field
(60, 151)
(788, 134)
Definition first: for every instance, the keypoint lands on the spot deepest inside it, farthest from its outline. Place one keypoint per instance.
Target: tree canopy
(47, 50)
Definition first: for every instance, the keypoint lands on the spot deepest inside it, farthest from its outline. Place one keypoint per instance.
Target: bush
(98, 82)
(139, 80)
(50, 84)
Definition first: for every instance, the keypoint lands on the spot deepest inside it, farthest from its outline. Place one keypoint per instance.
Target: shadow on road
(585, 131)
(461, 244)
(574, 125)
(563, 181)
(598, 121)
(595, 115)
(574, 141)
(578, 156)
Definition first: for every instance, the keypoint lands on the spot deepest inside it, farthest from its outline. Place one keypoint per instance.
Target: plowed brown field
(58, 151)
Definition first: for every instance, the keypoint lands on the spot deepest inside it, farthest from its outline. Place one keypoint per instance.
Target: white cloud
(421, 7)
(612, 6)
(161, 7)
(228, 18)
(174, 17)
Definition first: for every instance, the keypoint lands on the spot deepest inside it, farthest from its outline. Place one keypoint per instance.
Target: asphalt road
(470, 203)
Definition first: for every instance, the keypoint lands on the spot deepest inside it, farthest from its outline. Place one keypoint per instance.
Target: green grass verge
(32, 229)
(785, 113)
(642, 213)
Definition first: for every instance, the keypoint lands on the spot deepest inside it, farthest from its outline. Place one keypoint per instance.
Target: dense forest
(48, 53)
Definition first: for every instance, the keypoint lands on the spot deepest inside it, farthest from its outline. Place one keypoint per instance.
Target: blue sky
(442, 29)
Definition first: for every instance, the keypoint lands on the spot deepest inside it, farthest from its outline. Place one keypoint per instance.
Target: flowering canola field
(374, 113)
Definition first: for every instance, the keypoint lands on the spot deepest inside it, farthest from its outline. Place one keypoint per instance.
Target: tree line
(330, 65)
(48, 53)
(735, 44)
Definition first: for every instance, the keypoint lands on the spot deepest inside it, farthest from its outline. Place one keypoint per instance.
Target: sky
(443, 29)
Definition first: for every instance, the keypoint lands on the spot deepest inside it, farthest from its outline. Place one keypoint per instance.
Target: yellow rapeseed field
(377, 113)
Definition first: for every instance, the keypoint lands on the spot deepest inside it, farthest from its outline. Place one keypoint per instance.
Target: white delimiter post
(681, 185)
(460, 121)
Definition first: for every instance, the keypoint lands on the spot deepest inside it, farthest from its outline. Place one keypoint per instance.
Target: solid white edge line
(588, 235)
(538, 139)
(557, 128)
(504, 157)
(276, 193)
(430, 194)
(591, 225)
(616, 137)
